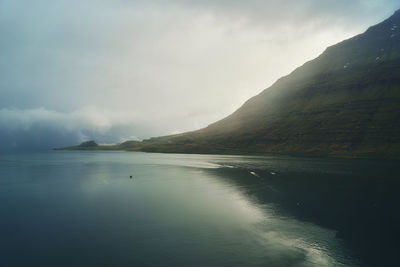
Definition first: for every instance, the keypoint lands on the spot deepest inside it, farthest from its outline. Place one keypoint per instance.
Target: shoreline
(369, 156)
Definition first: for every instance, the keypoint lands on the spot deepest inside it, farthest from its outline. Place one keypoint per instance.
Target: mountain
(88, 144)
(346, 102)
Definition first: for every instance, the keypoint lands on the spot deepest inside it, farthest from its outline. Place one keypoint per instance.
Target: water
(71, 208)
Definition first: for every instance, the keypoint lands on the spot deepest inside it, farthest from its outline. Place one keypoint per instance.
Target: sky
(116, 70)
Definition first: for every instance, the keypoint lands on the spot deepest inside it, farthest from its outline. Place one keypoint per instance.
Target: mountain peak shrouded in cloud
(149, 68)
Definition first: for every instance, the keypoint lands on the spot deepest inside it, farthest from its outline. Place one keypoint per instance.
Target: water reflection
(82, 209)
(188, 195)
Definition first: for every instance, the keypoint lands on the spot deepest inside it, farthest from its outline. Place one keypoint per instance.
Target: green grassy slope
(346, 102)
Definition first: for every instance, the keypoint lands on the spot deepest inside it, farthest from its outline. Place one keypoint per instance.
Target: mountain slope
(345, 102)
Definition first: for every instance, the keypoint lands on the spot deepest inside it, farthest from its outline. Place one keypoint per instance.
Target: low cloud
(44, 129)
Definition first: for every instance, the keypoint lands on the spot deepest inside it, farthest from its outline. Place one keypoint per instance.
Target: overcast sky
(111, 70)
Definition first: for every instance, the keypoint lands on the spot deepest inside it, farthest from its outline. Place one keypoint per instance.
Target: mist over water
(83, 209)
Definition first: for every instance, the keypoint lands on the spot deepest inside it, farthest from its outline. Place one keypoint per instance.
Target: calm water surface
(67, 208)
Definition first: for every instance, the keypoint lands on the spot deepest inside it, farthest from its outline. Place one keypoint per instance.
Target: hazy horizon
(74, 71)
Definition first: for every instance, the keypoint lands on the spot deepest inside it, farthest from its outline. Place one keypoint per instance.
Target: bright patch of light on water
(175, 210)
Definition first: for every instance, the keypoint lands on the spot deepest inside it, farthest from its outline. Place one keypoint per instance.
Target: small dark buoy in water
(130, 176)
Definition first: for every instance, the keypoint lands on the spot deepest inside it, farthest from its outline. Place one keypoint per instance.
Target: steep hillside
(345, 102)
